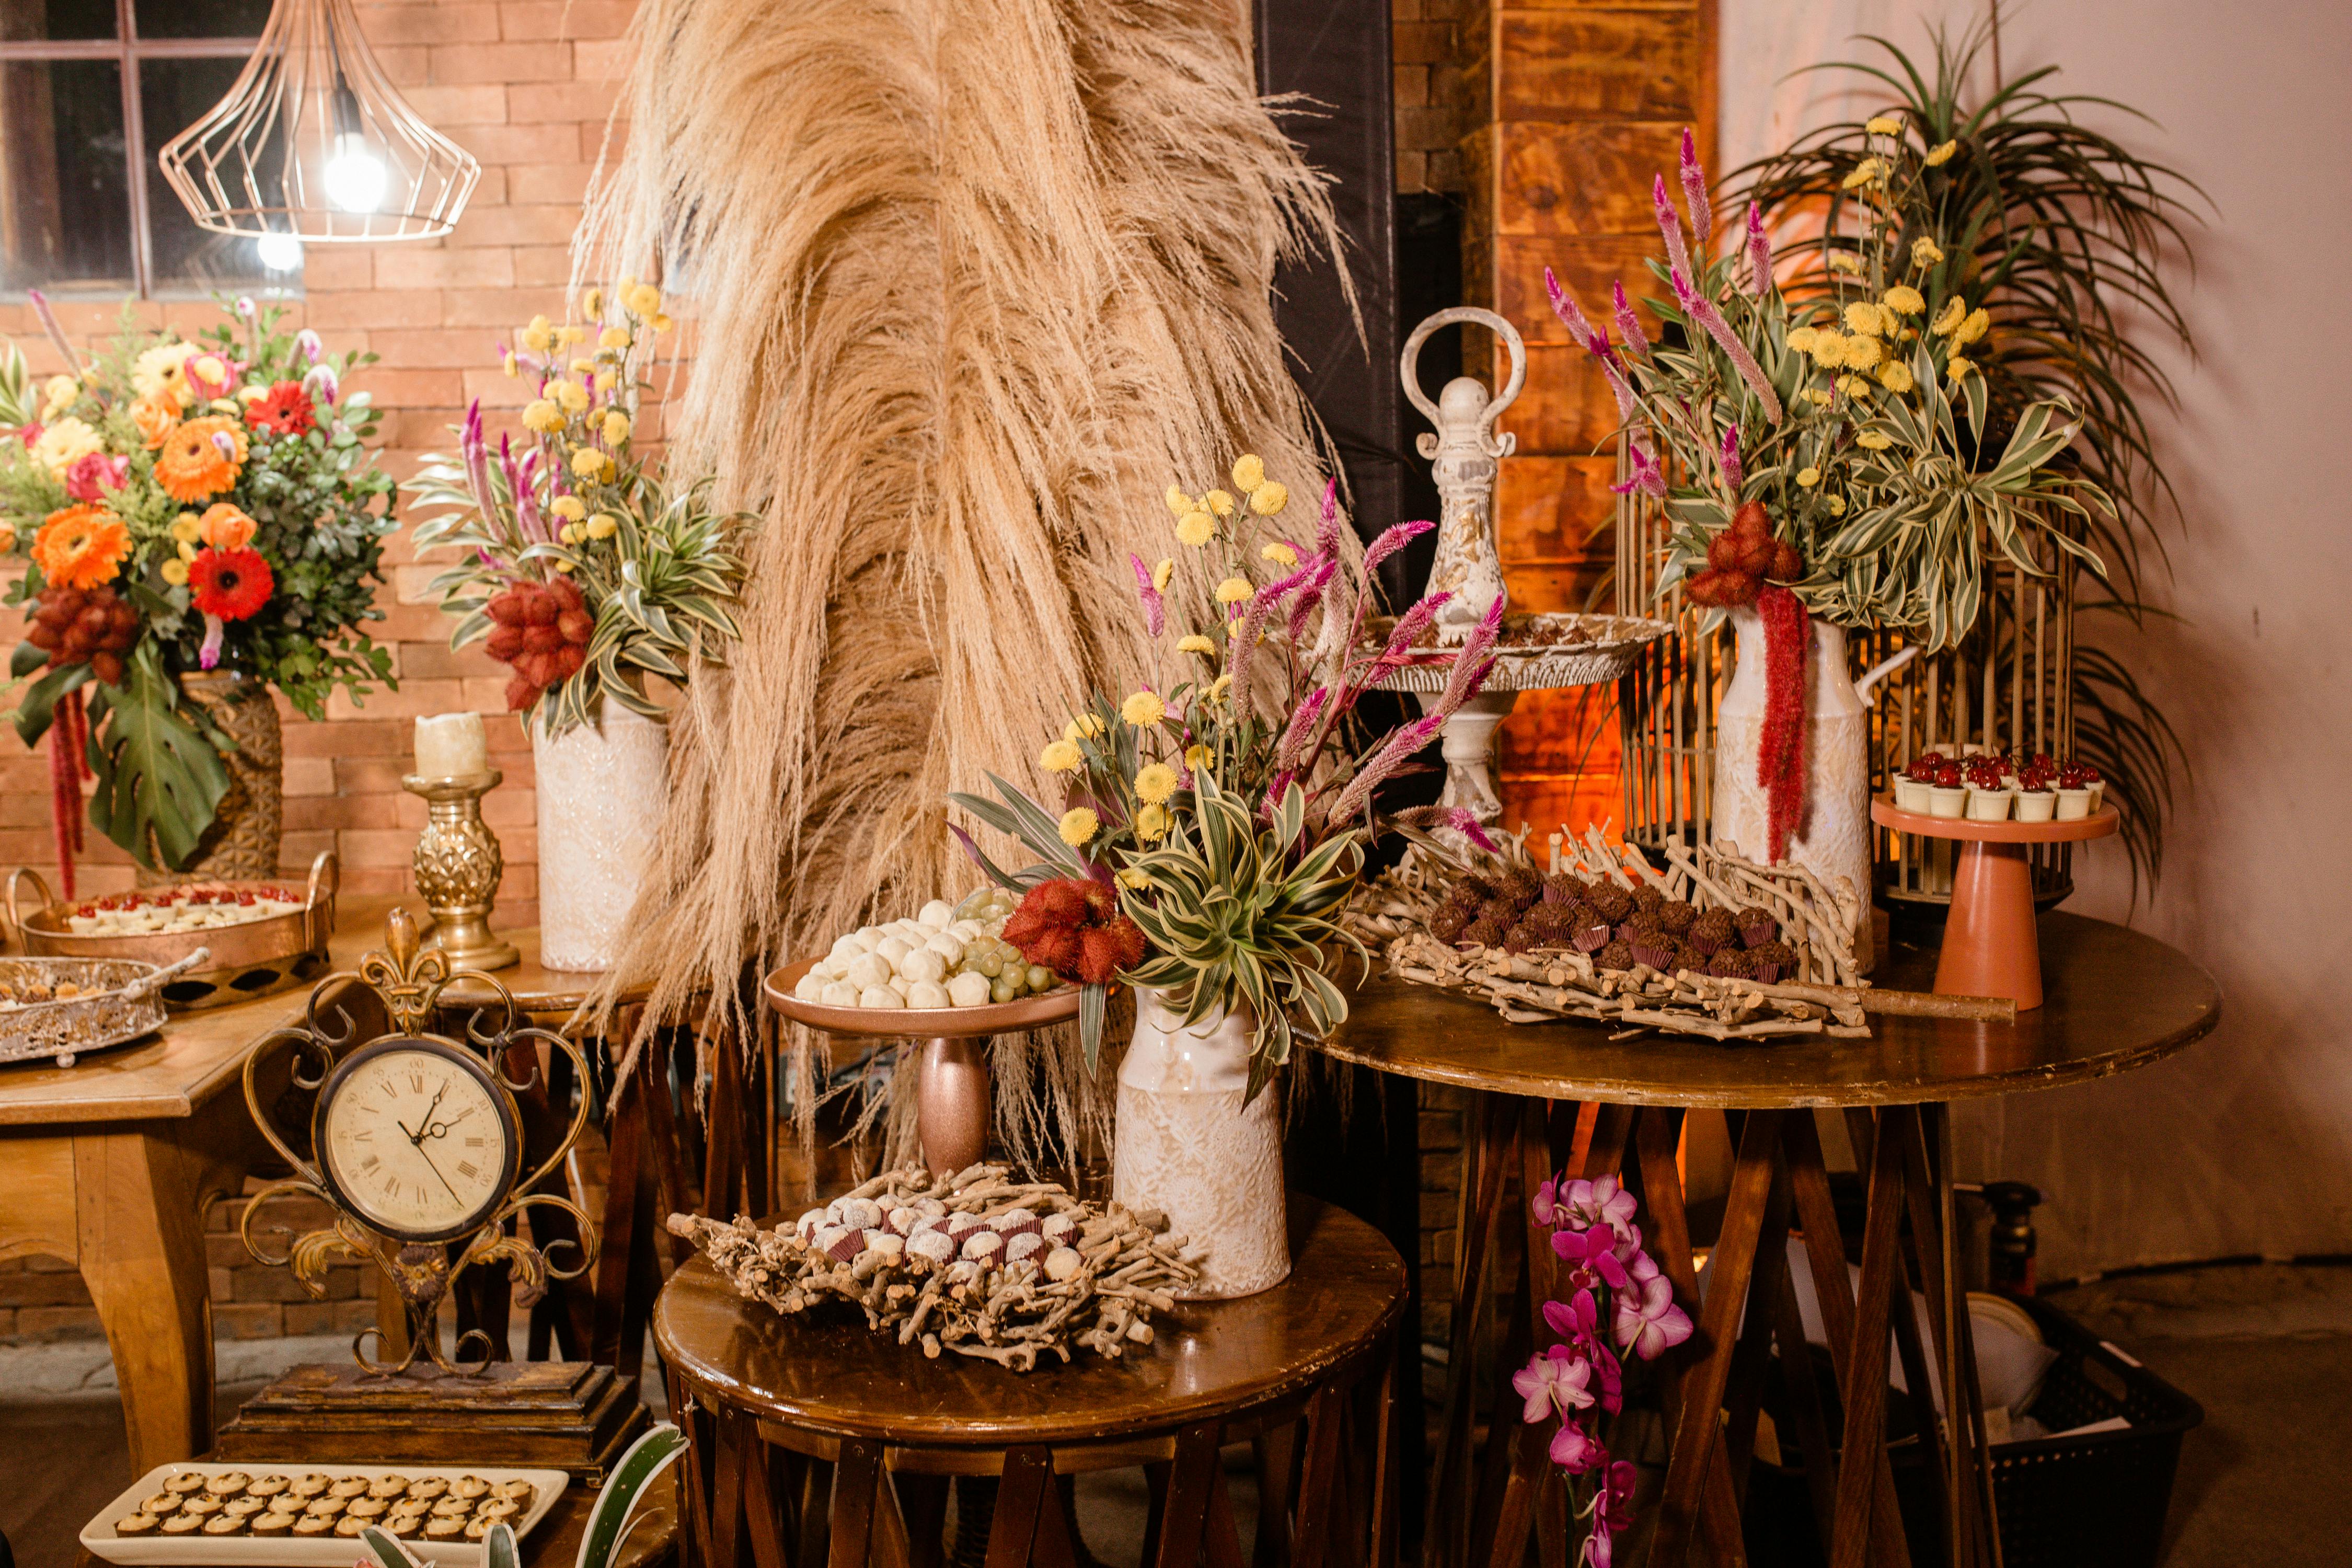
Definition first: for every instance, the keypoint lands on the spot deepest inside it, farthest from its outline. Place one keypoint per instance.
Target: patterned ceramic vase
(1833, 834)
(1187, 1146)
(602, 790)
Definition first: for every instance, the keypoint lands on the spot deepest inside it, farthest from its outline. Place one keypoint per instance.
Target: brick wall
(1431, 99)
(525, 86)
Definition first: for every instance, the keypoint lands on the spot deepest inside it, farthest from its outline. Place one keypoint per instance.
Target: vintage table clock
(416, 1143)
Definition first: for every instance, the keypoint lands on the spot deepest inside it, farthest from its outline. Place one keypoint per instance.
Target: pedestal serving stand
(954, 1107)
(1991, 946)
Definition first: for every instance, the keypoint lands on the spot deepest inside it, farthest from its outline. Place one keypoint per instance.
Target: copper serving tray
(1058, 1005)
(249, 960)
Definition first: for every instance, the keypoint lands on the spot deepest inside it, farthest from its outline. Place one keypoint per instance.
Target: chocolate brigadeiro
(1616, 955)
(1690, 958)
(1757, 925)
(1519, 939)
(1773, 960)
(1448, 923)
(1652, 946)
(1484, 931)
(1674, 917)
(1647, 898)
(1559, 888)
(1612, 902)
(1731, 964)
(1712, 930)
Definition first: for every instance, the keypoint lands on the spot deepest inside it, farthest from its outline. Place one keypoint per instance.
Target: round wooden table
(814, 1440)
(1566, 1096)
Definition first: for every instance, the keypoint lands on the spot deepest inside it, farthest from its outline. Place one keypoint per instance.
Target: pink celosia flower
(1702, 311)
(1155, 607)
(1695, 189)
(1760, 251)
(1629, 325)
(1669, 225)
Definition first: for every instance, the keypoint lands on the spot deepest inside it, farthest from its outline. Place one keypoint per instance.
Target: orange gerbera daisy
(194, 466)
(156, 418)
(81, 547)
(224, 527)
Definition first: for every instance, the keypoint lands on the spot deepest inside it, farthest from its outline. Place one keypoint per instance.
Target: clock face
(416, 1139)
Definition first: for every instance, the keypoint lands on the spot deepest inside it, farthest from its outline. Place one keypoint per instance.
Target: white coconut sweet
(839, 994)
(883, 1242)
(1063, 1263)
(864, 1214)
(932, 1244)
(928, 994)
(969, 989)
(936, 913)
(809, 987)
(1023, 1244)
(922, 963)
(962, 1225)
(983, 1246)
(844, 949)
(880, 996)
(1058, 1229)
(867, 969)
(806, 1226)
(946, 946)
(890, 950)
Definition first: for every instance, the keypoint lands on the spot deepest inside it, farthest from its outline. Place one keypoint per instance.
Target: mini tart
(350, 1524)
(497, 1508)
(514, 1491)
(310, 1485)
(224, 1524)
(349, 1486)
(200, 1507)
(429, 1487)
(245, 1506)
(274, 1523)
(135, 1525)
(228, 1483)
(367, 1508)
(185, 1481)
(413, 1507)
(387, 1487)
(315, 1524)
(468, 1486)
(404, 1526)
(184, 1524)
(479, 1529)
(267, 1486)
(444, 1529)
(326, 1507)
(452, 1508)
(161, 1504)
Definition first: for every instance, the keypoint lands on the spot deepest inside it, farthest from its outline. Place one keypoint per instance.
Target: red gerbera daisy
(231, 584)
(287, 411)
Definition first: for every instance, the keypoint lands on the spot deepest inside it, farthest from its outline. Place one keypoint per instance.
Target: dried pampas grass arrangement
(972, 282)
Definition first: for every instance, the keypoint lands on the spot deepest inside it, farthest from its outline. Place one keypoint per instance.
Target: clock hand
(426, 1119)
(441, 1129)
(436, 1170)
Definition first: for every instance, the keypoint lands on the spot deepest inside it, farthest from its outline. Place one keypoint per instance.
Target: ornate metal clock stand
(422, 1265)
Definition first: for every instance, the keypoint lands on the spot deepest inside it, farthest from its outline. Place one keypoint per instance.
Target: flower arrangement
(1227, 801)
(1580, 1379)
(185, 504)
(1842, 419)
(583, 570)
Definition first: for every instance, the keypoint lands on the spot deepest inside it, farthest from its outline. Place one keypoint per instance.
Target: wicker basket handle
(16, 911)
(326, 877)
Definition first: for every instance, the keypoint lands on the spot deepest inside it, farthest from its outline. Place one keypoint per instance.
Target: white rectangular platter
(248, 1551)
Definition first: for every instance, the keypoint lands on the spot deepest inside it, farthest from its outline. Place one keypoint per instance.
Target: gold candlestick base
(457, 868)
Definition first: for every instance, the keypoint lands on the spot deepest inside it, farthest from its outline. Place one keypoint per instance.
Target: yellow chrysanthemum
(1869, 171)
(187, 549)
(1809, 478)
(1837, 506)
(1085, 727)
(1140, 880)
(1882, 125)
(1219, 688)
(161, 372)
(588, 463)
(58, 394)
(1196, 757)
(1155, 782)
(1198, 643)
(1144, 710)
(1941, 154)
(1829, 348)
(1977, 322)
(1853, 386)
(1151, 823)
(1862, 316)
(591, 301)
(583, 365)
(1219, 502)
(1819, 397)
(1862, 353)
(1196, 528)
(616, 428)
(1896, 376)
(605, 380)
(1873, 440)
(175, 572)
(1249, 472)
(662, 324)
(1061, 757)
(186, 528)
(1160, 573)
(535, 335)
(570, 395)
(571, 508)
(65, 443)
(612, 337)
(1905, 299)
(1269, 498)
(1954, 312)
(1078, 825)
(569, 533)
(1844, 261)
(1281, 554)
(513, 366)
(541, 415)
(1958, 367)
(563, 335)
(1925, 252)
(1802, 338)
(1178, 503)
(603, 525)
(1233, 590)
(644, 299)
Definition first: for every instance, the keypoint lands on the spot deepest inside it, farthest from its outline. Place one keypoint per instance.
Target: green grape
(1040, 978)
(1002, 991)
(973, 952)
(990, 966)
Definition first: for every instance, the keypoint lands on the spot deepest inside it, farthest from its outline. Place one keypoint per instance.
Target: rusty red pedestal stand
(1991, 945)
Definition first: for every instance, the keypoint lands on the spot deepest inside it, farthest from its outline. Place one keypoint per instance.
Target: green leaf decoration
(608, 1522)
(39, 709)
(156, 774)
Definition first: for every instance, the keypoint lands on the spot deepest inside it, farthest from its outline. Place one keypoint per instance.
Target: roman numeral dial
(416, 1141)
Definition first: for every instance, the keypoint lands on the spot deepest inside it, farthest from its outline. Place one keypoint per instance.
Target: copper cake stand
(954, 1109)
(1991, 947)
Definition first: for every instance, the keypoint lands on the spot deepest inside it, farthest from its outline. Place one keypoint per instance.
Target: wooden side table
(816, 1441)
(1581, 1099)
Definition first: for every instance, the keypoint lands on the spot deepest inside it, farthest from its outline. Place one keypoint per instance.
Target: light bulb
(279, 252)
(355, 174)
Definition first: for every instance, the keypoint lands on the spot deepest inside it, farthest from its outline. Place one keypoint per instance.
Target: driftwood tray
(1541, 652)
(252, 959)
(1056, 1006)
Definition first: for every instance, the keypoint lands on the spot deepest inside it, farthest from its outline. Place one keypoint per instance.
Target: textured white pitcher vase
(1831, 837)
(602, 790)
(1185, 1144)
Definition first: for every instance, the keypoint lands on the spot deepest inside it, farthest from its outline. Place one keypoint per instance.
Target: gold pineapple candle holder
(459, 865)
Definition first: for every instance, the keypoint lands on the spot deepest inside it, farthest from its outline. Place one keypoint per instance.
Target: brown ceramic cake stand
(1991, 947)
(953, 1106)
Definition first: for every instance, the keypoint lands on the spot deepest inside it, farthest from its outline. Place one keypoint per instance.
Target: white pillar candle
(451, 745)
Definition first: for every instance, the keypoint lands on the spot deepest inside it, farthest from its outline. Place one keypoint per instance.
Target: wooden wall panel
(1581, 177)
(1596, 65)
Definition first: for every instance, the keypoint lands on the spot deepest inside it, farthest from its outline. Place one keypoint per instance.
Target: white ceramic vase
(602, 790)
(1832, 833)
(1187, 1146)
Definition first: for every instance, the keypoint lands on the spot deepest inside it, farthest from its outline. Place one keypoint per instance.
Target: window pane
(172, 96)
(24, 21)
(196, 18)
(65, 193)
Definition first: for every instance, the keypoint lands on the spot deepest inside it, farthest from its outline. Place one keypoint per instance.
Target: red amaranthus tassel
(1072, 926)
(1781, 758)
(68, 741)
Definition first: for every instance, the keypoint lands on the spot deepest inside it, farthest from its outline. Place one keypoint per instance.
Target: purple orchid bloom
(1155, 607)
(1760, 251)
(1670, 225)
(1602, 1201)
(1647, 1322)
(1591, 1255)
(1613, 1512)
(1575, 1450)
(1695, 189)
(1629, 325)
(1553, 1383)
(1702, 312)
(1575, 1320)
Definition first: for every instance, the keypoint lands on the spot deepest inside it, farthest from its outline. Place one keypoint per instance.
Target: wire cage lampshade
(314, 143)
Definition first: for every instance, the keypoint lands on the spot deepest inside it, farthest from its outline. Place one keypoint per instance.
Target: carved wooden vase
(242, 843)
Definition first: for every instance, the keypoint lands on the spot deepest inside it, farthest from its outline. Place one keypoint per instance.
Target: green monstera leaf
(157, 774)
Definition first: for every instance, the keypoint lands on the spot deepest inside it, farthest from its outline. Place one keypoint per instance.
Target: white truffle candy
(806, 1226)
(890, 950)
(962, 1225)
(923, 965)
(866, 971)
(928, 994)
(839, 994)
(858, 1213)
(947, 947)
(969, 989)
(1023, 1244)
(936, 914)
(883, 1242)
(1058, 1228)
(933, 1246)
(982, 1245)
(844, 949)
(880, 996)
(810, 987)
(1063, 1263)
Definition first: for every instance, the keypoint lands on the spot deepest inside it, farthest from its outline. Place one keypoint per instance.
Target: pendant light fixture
(314, 144)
